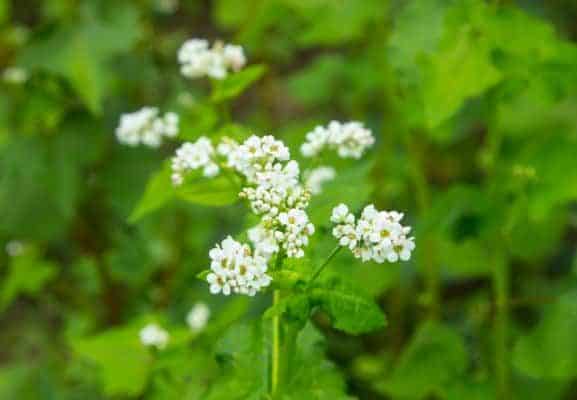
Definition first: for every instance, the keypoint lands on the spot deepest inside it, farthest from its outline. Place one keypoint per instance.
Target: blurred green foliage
(473, 105)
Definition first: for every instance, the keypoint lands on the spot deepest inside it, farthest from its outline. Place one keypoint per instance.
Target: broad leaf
(27, 274)
(434, 358)
(159, 191)
(82, 52)
(123, 362)
(219, 191)
(461, 70)
(550, 350)
(348, 310)
(235, 84)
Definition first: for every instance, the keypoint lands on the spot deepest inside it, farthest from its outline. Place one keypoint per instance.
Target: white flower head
(193, 156)
(14, 248)
(377, 235)
(316, 178)
(146, 126)
(152, 335)
(197, 59)
(349, 139)
(15, 75)
(197, 317)
(235, 269)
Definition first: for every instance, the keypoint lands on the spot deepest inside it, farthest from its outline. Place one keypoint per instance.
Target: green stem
(501, 290)
(423, 195)
(324, 264)
(276, 347)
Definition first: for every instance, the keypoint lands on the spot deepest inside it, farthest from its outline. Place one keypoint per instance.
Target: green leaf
(244, 355)
(434, 358)
(349, 311)
(329, 22)
(315, 84)
(294, 308)
(219, 191)
(286, 279)
(83, 52)
(235, 84)
(4, 11)
(312, 377)
(123, 362)
(461, 70)
(417, 32)
(243, 347)
(27, 274)
(159, 191)
(550, 350)
(203, 274)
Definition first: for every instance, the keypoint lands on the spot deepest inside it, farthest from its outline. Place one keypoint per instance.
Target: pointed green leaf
(27, 274)
(122, 361)
(461, 70)
(235, 84)
(550, 351)
(435, 357)
(349, 311)
(159, 191)
(219, 191)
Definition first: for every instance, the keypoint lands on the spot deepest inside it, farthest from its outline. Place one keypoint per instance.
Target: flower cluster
(316, 178)
(14, 248)
(197, 317)
(15, 75)
(377, 235)
(146, 126)
(191, 156)
(275, 193)
(197, 59)
(153, 335)
(234, 269)
(349, 139)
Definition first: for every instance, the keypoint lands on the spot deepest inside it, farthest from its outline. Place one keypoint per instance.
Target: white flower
(15, 75)
(198, 316)
(350, 139)
(147, 127)
(377, 235)
(234, 269)
(341, 215)
(296, 230)
(153, 335)
(167, 6)
(197, 59)
(234, 57)
(14, 248)
(264, 241)
(193, 156)
(316, 178)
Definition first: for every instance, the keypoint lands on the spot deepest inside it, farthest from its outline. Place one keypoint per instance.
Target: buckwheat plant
(274, 256)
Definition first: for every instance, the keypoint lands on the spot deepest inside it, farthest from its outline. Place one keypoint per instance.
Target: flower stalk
(323, 265)
(276, 349)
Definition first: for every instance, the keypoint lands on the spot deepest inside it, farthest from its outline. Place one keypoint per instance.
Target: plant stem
(423, 194)
(276, 347)
(501, 290)
(324, 264)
